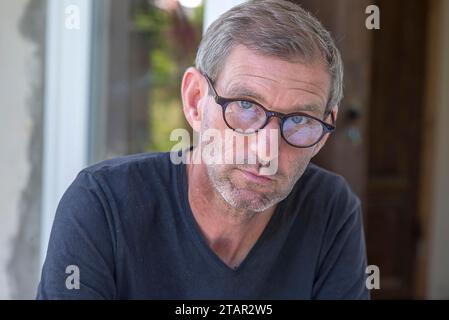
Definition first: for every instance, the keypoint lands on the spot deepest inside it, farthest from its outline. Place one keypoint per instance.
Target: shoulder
(315, 174)
(129, 179)
(128, 163)
(132, 169)
(123, 191)
(325, 197)
(327, 186)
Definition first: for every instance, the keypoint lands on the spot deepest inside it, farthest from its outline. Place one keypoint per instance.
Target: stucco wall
(22, 34)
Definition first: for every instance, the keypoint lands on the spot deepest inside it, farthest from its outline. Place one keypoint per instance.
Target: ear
(193, 88)
(333, 114)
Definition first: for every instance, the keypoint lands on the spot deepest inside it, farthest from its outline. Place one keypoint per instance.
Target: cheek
(293, 160)
(212, 115)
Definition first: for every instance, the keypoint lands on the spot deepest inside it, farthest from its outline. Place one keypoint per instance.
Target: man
(144, 227)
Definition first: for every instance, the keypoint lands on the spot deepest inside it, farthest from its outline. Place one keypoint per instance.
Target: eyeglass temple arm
(332, 117)
(209, 84)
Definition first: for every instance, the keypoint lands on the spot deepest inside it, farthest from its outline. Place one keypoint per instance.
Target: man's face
(279, 86)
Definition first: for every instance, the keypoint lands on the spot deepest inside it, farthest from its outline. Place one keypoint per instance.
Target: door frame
(432, 276)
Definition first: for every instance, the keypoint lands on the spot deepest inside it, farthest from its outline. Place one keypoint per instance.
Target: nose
(265, 143)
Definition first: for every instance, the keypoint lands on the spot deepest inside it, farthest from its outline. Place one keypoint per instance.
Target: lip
(252, 176)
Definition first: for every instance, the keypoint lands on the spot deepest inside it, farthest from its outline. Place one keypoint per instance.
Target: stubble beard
(247, 201)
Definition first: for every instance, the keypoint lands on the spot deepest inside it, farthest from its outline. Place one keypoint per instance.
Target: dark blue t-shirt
(127, 226)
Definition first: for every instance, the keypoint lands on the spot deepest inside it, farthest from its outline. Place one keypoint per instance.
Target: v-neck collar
(201, 242)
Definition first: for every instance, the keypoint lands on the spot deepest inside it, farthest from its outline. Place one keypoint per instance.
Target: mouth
(255, 177)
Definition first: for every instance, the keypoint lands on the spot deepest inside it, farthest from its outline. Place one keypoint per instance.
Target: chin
(245, 199)
(242, 194)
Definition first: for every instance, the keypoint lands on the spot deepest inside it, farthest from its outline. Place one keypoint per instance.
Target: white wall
(19, 73)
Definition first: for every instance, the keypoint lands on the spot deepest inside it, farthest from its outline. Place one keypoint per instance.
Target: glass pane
(141, 50)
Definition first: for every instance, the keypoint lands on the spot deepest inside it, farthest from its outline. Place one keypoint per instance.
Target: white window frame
(67, 82)
(213, 9)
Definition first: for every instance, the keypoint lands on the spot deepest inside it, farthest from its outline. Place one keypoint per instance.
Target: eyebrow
(242, 92)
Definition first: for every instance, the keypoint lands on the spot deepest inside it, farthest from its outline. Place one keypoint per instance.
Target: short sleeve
(341, 273)
(80, 259)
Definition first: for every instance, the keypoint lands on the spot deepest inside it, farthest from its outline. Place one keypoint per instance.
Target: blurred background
(86, 80)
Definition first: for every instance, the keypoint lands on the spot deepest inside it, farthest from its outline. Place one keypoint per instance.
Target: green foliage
(168, 61)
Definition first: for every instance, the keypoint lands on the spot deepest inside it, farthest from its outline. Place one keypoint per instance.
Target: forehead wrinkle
(319, 87)
(257, 76)
(311, 92)
(239, 87)
(230, 87)
(237, 90)
(242, 82)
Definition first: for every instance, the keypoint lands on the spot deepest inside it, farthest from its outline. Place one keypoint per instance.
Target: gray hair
(275, 28)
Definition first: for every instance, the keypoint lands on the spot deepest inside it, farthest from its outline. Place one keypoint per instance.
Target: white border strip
(213, 9)
(66, 104)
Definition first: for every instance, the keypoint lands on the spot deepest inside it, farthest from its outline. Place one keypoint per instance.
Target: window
(141, 49)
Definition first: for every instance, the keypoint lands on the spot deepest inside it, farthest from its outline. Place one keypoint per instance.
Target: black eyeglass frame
(224, 102)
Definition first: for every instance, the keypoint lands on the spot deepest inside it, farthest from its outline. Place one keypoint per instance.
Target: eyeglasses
(298, 129)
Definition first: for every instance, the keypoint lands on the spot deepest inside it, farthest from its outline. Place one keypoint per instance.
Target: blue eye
(246, 104)
(299, 119)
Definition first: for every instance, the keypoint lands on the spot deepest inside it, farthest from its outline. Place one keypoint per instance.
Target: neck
(229, 232)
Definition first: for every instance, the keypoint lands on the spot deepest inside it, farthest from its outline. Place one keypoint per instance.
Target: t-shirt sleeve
(341, 273)
(80, 257)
